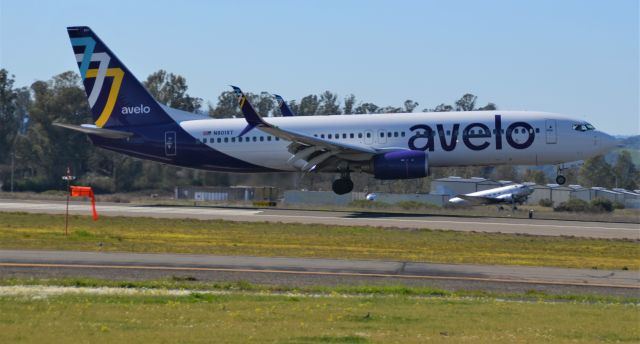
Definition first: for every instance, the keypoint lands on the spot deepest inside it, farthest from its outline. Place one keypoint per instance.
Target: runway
(605, 230)
(123, 265)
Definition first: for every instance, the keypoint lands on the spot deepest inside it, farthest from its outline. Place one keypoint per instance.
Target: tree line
(39, 153)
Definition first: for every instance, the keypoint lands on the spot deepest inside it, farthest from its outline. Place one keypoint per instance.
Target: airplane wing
(480, 200)
(303, 146)
(284, 108)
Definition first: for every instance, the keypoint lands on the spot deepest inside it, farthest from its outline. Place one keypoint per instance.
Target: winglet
(249, 113)
(284, 108)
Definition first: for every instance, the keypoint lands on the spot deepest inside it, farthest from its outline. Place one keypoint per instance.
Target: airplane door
(381, 136)
(170, 143)
(551, 131)
(368, 137)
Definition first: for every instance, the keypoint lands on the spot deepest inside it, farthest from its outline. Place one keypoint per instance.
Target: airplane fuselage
(449, 138)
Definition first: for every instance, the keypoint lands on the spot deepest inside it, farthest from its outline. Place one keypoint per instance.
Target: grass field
(39, 231)
(234, 317)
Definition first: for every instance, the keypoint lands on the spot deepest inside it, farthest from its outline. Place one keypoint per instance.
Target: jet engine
(402, 164)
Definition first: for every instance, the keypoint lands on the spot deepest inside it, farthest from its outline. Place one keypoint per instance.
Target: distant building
(554, 192)
(226, 194)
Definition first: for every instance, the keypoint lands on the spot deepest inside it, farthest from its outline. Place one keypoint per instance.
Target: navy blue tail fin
(116, 97)
(284, 107)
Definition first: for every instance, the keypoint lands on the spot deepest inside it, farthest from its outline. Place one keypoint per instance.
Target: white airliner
(511, 194)
(389, 146)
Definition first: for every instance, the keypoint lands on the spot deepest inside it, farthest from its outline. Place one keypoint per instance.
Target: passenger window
(233, 139)
(277, 138)
(226, 139)
(537, 130)
(389, 134)
(351, 135)
(268, 138)
(329, 136)
(219, 140)
(402, 133)
(261, 138)
(395, 134)
(322, 136)
(368, 135)
(381, 134)
(240, 139)
(359, 135)
(448, 133)
(344, 136)
(255, 139)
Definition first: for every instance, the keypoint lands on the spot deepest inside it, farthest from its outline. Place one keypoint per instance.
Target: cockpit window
(583, 127)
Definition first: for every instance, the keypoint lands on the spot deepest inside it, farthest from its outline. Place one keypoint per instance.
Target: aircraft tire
(342, 186)
(561, 179)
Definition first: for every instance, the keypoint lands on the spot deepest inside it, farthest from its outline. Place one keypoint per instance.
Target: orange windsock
(85, 191)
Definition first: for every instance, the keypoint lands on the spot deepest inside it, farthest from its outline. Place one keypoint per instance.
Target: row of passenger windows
(360, 135)
(368, 134)
(241, 139)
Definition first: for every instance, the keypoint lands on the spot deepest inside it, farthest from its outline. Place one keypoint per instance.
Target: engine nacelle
(405, 164)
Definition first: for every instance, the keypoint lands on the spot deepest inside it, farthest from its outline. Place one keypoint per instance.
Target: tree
(227, 106)
(596, 172)
(349, 102)
(329, 104)
(535, 176)
(262, 103)
(8, 118)
(505, 172)
(366, 108)
(440, 108)
(308, 106)
(625, 171)
(489, 107)
(466, 103)
(171, 90)
(410, 105)
(48, 150)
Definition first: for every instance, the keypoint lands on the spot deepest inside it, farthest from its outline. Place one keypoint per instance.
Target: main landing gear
(560, 179)
(343, 185)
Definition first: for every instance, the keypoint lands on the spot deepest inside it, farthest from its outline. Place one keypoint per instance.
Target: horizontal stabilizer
(93, 130)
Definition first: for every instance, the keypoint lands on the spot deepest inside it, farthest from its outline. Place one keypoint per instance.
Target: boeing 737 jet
(389, 146)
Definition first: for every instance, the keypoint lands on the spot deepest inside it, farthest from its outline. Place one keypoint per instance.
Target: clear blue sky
(572, 56)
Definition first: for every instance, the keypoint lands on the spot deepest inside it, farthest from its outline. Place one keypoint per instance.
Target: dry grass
(39, 231)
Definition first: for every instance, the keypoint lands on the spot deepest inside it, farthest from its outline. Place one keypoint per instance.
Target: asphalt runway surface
(306, 271)
(605, 230)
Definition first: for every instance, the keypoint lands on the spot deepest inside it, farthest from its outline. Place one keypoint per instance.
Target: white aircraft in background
(128, 120)
(511, 194)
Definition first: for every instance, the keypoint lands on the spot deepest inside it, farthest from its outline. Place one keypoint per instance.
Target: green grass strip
(217, 237)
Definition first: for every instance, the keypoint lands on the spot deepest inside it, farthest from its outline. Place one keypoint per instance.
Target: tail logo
(103, 71)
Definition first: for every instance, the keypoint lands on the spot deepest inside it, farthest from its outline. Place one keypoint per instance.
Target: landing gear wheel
(342, 186)
(561, 179)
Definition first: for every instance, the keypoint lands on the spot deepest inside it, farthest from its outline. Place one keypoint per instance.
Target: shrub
(573, 205)
(598, 205)
(602, 205)
(618, 205)
(545, 202)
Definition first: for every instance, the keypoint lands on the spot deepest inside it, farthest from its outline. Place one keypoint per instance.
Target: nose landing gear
(560, 179)
(342, 185)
